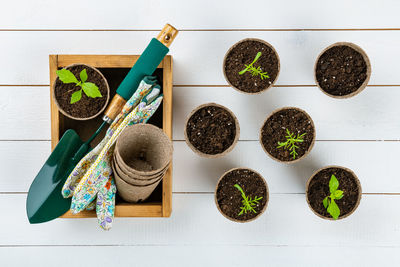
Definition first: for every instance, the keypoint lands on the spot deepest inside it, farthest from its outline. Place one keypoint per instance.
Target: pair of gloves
(91, 184)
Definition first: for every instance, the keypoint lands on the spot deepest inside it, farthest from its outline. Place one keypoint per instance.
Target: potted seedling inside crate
(241, 195)
(251, 66)
(333, 192)
(288, 134)
(342, 70)
(80, 91)
(211, 130)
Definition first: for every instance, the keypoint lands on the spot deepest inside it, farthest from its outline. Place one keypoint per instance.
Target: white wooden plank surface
(194, 174)
(232, 14)
(192, 255)
(25, 111)
(368, 116)
(195, 220)
(21, 161)
(197, 55)
(288, 234)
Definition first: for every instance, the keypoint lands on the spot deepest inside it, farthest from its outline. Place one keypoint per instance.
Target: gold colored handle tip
(167, 35)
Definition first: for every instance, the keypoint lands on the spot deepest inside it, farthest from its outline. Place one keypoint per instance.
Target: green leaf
(338, 194)
(333, 210)
(83, 75)
(91, 90)
(76, 96)
(325, 202)
(333, 184)
(66, 76)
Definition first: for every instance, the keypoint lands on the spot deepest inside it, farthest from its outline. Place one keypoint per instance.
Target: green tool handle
(145, 65)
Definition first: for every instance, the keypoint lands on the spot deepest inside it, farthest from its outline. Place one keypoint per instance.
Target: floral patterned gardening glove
(106, 194)
(84, 164)
(98, 180)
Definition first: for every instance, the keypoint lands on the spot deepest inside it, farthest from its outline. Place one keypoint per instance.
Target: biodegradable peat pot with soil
(251, 66)
(319, 185)
(87, 107)
(342, 70)
(288, 134)
(234, 187)
(211, 130)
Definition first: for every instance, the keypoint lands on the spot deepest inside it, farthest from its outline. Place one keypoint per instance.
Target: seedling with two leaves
(329, 202)
(291, 141)
(253, 70)
(248, 202)
(90, 89)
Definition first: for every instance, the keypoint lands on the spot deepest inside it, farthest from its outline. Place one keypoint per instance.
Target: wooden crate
(114, 68)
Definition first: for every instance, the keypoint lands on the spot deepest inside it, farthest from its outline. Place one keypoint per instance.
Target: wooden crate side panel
(53, 63)
(167, 127)
(124, 210)
(101, 61)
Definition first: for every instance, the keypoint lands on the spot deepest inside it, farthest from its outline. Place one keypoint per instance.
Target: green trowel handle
(145, 65)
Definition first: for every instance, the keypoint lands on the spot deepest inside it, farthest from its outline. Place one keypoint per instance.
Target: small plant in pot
(333, 192)
(288, 134)
(211, 130)
(342, 70)
(241, 195)
(81, 92)
(251, 66)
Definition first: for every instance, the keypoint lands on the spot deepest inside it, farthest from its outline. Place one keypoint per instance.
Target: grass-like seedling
(291, 141)
(248, 203)
(329, 202)
(253, 70)
(90, 89)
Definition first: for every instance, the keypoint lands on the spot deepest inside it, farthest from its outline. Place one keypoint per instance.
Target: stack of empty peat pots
(141, 158)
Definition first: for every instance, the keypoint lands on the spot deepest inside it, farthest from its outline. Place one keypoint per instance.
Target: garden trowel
(44, 201)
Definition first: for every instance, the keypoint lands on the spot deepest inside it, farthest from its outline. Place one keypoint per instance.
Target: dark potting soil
(341, 70)
(211, 130)
(244, 53)
(319, 189)
(87, 106)
(274, 131)
(230, 199)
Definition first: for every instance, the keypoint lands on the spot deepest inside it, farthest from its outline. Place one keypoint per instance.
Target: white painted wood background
(361, 133)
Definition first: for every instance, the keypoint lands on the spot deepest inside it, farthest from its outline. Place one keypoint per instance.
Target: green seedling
(90, 89)
(291, 141)
(253, 70)
(248, 203)
(329, 202)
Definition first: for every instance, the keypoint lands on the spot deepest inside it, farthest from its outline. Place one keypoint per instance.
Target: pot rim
(77, 118)
(120, 175)
(367, 62)
(130, 171)
(258, 40)
(309, 148)
(135, 177)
